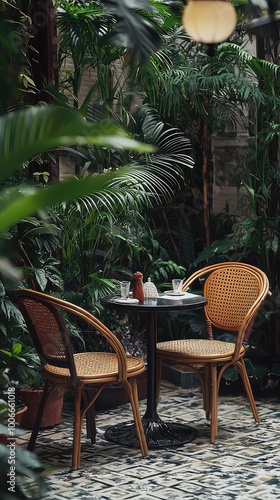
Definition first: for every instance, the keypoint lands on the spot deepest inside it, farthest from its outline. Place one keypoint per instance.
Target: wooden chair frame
(86, 373)
(226, 309)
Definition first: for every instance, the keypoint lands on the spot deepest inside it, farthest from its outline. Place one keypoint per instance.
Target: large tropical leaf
(18, 202)
(34, 130)
(161, 173)
(146, 184)
(127, 24)
(37, 129)
(137, 27)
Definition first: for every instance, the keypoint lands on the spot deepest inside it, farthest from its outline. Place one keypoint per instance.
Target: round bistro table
(159, 434)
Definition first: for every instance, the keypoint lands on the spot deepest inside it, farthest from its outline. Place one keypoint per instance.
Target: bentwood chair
(234, 293)
(87, 373)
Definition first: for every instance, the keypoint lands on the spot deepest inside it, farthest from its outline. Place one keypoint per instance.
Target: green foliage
(275, 370)
(181, 325)
(131, 331)
(254, 371)
(106, 29)
(187, 88)
(131, 32)
(109, 238)
(109, 247)
(219, 251)
(14, 36)
(37, 129)
(29, 484)
(18, 364)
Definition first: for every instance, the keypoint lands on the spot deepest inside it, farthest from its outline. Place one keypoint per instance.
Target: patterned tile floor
(243, 464)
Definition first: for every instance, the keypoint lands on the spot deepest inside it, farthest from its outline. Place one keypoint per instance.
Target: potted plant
(11, 365)
(20, 372)
(31, 394)
(16, 361)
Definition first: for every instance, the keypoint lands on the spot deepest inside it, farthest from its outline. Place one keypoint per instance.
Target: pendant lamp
(209, 21)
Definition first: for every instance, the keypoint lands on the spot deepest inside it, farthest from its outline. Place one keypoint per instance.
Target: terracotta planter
(53, 409)
(18, 417)
(3, 439)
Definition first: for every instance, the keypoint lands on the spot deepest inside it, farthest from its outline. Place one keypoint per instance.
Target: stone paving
(243, 464)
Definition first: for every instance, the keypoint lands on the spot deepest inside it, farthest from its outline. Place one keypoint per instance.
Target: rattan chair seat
(198, 348)
(97, 364)
(234, 292)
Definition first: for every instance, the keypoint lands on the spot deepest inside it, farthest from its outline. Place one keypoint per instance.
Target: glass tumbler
(125, 287)
(177, 285)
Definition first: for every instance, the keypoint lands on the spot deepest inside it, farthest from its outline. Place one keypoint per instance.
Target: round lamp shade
(209, 21)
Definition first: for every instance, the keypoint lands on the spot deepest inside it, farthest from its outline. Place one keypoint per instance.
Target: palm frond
(137, 28)
(261, 68)
(38, 129)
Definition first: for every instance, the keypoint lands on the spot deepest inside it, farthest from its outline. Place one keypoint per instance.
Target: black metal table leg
(159, 434)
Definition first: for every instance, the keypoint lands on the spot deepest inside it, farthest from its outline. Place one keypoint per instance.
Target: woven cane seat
(234, 292)
(86, 373)
(198, 348)
(96, 364)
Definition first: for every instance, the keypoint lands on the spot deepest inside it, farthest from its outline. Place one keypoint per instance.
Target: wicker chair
(234, 293)
(86, 373)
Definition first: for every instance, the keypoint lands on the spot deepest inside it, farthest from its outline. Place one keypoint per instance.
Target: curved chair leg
(213, 401)
(203, 377)
(45, 396)
(90, 417)
(206, 391)
(76, 451)
(91, 426)
(131, 388)
(240, 365)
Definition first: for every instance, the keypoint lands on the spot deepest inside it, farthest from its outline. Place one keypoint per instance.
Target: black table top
(161, 303)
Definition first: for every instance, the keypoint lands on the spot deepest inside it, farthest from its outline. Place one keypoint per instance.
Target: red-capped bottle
(138, 291)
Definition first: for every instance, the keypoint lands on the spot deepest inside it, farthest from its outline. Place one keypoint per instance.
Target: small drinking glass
(177, 285)
(125, 287)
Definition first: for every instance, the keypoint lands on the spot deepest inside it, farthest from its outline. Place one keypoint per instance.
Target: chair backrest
(48, 330)
(234, 294)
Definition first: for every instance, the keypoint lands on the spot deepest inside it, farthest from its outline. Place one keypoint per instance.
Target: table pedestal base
(158, 434)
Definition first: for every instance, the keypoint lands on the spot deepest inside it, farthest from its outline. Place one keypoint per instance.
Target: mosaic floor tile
(244, 463)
